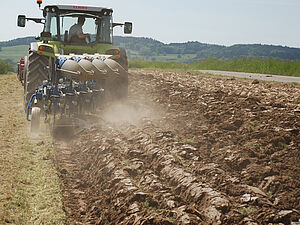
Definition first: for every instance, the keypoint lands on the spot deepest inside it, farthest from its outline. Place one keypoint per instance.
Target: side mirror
(128, 28)
(21, 21)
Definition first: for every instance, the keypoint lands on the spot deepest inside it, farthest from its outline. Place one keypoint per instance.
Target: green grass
(264, 66)
(189, 141)
(282, 145)
(136, 55)
(36, 198)
(247, 211)
(158, 65)
(29, 182)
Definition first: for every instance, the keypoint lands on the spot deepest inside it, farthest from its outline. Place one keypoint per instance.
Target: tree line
(151, 47)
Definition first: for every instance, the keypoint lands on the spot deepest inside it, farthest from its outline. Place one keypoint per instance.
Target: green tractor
(74, 66)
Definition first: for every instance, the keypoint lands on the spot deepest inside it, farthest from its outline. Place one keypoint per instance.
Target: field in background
(266, 66)
(14, 53)
(11, 55)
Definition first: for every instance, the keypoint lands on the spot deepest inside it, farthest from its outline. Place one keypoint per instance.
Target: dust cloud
(130, 112)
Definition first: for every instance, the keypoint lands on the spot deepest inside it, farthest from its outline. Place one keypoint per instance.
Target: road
(266, 77)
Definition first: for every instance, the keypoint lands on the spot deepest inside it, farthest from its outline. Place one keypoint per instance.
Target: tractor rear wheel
(36, 72)
(122, 91)
(123, 60)
(122, 82)
(116, 89)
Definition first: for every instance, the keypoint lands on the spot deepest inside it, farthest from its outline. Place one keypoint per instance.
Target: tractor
(69, 72)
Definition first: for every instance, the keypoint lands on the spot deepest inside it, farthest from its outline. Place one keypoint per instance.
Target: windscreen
(99, 28)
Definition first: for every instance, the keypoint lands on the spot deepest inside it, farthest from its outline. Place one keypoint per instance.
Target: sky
(222, 22)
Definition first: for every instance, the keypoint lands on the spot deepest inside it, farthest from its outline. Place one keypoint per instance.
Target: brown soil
(188, 149)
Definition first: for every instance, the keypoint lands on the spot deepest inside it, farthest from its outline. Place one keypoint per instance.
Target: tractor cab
(59, 19)
(98, 23)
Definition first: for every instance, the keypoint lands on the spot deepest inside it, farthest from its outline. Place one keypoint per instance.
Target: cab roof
(77, 8)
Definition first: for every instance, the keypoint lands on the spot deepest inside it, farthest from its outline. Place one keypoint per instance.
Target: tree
(5, 67)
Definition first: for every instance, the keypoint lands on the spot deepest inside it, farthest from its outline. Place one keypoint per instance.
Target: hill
(17, 41)
(150, 49)
(188, 52)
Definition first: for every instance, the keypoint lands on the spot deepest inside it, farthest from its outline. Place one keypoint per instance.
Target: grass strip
(29, 184)
(250, 65)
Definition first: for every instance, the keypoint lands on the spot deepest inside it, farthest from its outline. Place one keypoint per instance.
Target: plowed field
(187, 149)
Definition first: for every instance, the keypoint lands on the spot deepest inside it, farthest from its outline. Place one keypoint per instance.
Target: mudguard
(33, 47)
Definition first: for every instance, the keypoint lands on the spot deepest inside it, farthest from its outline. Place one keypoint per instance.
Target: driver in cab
(76, 34)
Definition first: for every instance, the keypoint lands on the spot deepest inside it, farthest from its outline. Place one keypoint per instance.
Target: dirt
(187, 149)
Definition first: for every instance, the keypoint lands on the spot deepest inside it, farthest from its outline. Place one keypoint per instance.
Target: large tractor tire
(123, 60)
(36, 72)
(116, 88)
(121, 84)
(123, 88)
(25, 70)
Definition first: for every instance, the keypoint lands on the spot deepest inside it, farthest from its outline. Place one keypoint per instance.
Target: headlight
(45, 48)
(113, 52)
